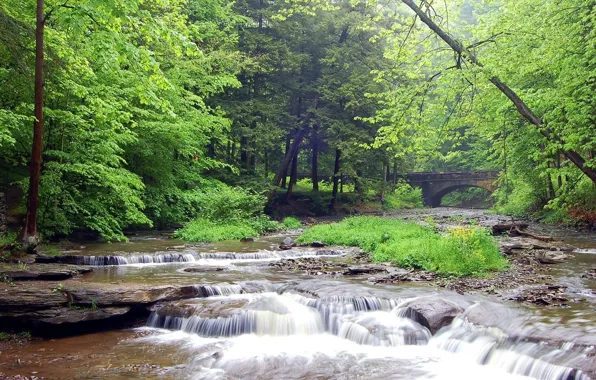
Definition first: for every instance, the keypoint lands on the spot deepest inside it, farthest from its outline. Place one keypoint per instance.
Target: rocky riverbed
(121, 285)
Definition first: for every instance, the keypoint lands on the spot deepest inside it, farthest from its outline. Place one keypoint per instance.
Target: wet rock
(437, 312)
(287, 244)
(552, 257)
(360, 258)
(311, 265)
(175, 247)
(552, 295)
(74, 315)
(354, 271)
(203, 269)
(591, 274)
(35, 272)
(318, 244)
(403, 275)
(81, 306)
(247, 240)
(493, 314)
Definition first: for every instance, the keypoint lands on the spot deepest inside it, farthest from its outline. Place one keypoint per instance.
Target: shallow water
(298, 326)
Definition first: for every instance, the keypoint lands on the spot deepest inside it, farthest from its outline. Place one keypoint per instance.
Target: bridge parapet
(451, 176)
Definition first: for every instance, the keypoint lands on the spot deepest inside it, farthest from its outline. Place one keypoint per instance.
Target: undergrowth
(207, 231)
(291, 223)
(461, 251)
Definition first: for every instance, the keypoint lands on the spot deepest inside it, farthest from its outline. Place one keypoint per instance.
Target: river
(260, 322)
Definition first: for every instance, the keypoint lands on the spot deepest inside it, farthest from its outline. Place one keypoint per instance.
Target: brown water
(286, 338)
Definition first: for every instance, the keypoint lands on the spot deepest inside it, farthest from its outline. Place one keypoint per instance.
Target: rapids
(254, 321)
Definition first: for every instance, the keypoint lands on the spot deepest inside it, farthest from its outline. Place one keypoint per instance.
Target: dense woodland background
(153, 109)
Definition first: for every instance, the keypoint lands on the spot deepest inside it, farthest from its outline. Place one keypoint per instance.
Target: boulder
(318, 244)
(434, 312)
(287, 244)
(552, 257)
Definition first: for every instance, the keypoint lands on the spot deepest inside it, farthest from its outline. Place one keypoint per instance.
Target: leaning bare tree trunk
(293, 175)
(520, 105)
(286, 161)
(29, 237)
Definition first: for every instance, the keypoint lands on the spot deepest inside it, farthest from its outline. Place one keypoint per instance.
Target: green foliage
(52, 251)
(226, 213)
(292, 223)
(470, 196)
(203, 230)
(461, 251)
(8, 238)
(225, 203)
(404, 196)
(19, 338)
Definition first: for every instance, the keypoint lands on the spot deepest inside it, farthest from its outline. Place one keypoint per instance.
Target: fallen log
(499, 229)
(519, 232)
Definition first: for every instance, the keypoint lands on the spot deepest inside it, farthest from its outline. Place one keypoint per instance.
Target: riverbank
(126, 282)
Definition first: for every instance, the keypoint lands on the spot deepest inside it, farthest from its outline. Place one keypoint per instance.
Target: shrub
(404, 196)
(461, 251)
(203, 230)
(291, 223)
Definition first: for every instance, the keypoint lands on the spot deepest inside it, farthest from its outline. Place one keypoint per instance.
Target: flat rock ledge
(53, 309)
(43, 272)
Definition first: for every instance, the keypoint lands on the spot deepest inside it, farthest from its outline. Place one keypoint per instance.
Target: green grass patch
(204, 230)
(291, 223)
(461, 251)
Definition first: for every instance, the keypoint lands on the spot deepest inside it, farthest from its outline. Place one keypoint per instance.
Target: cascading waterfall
(490, 346)
(290, 314)
(161, 258)
(372, 321)
(137, 259)
(273, 315)
(334, 308)
(218, 290)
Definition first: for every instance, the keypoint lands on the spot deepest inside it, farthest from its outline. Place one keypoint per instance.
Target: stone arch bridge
(435, 185)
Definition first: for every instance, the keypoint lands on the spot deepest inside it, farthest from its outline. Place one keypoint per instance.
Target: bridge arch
(438, 184)
(436, 199)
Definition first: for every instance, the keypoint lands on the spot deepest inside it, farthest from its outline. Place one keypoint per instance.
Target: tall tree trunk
(335, 180)
(315, 158)
(293, 175)
(285, 174)
(29, 236)
(233, 153)
(243, 153)
(358, 183)
(252, 162)
(228, 152)
(394, 172)
(286, 161)
(520, 105)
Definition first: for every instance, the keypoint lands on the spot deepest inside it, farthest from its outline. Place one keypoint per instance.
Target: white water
(207, 258)
(291, 336)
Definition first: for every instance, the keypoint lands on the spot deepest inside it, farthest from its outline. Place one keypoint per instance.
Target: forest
(297, 189)
(128, 114)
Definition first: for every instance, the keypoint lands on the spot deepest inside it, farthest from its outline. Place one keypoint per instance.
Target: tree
(30, 237)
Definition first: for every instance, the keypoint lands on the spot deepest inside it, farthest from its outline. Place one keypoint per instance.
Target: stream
(257, 321)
